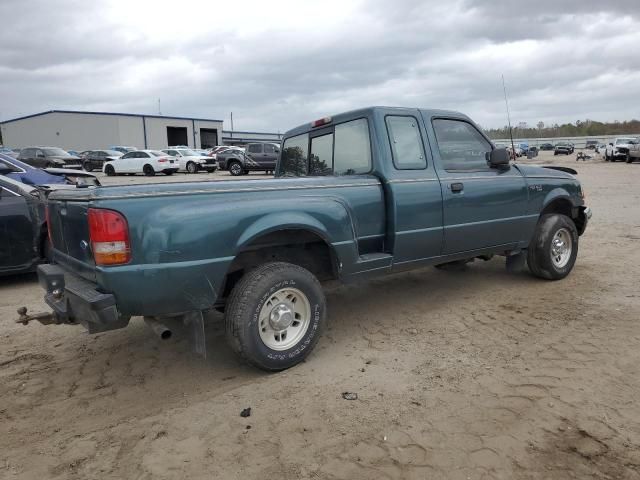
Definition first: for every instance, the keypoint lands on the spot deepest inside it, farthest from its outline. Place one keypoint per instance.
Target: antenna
(506, 102)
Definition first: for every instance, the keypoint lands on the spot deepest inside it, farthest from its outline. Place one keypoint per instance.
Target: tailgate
(70, 236)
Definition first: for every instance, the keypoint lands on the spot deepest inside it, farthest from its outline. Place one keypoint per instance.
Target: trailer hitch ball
(45, 318)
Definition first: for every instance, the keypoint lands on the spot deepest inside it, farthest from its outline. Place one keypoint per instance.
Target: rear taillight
(109, 234)
(162, 160)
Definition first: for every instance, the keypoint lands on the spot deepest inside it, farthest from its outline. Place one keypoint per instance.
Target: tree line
(586, 128)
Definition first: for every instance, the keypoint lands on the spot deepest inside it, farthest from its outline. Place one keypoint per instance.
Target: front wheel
(627, 158)
(109, 170)
(275, 315)
(235, 169)
(554, 247)
(192, 167)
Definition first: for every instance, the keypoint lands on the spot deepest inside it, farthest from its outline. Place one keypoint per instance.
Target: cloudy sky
(277, 64)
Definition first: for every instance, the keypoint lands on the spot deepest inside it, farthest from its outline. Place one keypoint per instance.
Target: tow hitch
(45, 318)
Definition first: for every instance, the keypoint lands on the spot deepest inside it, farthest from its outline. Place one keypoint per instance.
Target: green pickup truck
(360, 194)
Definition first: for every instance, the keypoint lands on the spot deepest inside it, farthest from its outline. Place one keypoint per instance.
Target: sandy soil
(469, 374)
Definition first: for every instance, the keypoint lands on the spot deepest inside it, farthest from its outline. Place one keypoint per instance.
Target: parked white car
(148, 162)
(618, 149)
(191, 161)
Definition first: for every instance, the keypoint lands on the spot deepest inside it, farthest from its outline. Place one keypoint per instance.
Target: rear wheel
(554, 247)
(109, 170)
(192, 167)
(275, 315)
(627, 158)
(50, 165)
(148, 170)
(235, 169)
(87, 166)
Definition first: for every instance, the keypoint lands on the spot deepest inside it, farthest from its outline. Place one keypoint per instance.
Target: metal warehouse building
(86, 130)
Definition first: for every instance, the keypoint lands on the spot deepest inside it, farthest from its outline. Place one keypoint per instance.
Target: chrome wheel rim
(561, 248)
(284, 319)
(235, 168)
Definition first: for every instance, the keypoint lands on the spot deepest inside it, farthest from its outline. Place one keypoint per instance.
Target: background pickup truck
(360, 194)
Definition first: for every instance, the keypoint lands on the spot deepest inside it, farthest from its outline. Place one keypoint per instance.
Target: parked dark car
(20, 171)
(592, 144)
(94, 159)
(546, 146)
(23, 230)
(47, 157)
(563, 149)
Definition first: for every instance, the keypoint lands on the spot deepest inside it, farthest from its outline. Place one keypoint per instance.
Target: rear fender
(327, 217)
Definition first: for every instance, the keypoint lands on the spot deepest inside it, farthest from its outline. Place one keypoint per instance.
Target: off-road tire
(539, 252)
(110, 171)
(247, 299)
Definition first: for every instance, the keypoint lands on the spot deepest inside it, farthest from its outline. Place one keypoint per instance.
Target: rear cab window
(343, 149)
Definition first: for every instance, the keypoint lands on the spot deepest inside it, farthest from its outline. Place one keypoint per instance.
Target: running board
(374, 261)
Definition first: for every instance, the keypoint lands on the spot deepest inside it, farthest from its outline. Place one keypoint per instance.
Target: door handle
(457, 187)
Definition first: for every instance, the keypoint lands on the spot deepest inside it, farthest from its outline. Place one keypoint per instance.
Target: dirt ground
(464, 375)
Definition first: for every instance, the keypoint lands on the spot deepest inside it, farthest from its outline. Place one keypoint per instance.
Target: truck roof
(367, 111)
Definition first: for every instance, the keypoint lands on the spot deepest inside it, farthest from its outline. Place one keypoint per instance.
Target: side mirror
(499, 158)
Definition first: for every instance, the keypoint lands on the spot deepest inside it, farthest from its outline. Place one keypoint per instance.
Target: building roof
(78, 112)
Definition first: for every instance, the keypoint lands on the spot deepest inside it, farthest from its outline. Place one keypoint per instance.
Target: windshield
(156, 153)
(622, 141)
(58, 152)
(113, 153)
(187, 153)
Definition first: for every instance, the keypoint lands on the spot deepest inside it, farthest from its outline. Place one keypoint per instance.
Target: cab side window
(268, 148)
(406, 143)
(462, 147)
(255, 148)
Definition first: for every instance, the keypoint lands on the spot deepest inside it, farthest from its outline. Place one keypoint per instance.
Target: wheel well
(300, 247)
(565, 207)
(561, 206)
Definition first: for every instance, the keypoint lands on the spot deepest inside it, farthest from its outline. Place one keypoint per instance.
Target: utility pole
(159, 110)
(232, 124)
(506, 102)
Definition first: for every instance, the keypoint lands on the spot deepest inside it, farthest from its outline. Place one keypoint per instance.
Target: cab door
(270, 156)
(483, 207)
(414, 191)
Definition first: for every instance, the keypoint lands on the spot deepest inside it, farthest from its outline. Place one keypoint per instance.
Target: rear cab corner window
(461, 145)
(346, 150)
(405, 139)
(294, 159)
(352, 148)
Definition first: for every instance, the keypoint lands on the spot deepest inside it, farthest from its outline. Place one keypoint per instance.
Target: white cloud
(280, 63)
